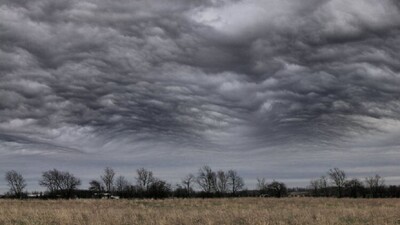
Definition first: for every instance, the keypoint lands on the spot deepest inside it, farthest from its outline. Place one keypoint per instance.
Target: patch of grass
(241, 211)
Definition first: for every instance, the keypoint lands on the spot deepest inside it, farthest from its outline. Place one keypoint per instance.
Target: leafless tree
(262, 184)
(319, 186)
(144, 178)
(207, 179)
(16, 182)
(277, 189)
(60, 181)
(338, 178)
(51, 180)
(354, 188)
(188, 182)
(70, 182)
(323, 185)
(222, 182)
(375, 184)
(96, 185)
(108, 179)
(314, 186)
(235, 181)
(158, 189)
(121, 184)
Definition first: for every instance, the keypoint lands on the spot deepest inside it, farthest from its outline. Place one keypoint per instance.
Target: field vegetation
(252, 211)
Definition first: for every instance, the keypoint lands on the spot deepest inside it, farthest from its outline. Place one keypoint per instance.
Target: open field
(202, 211)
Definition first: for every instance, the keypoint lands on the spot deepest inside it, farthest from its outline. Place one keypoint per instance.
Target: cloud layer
(242, 78)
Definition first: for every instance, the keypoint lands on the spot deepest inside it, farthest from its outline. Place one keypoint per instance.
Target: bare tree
(277, 189)
(121, 184)
(70, 183)
(187, 183)
(16, 182)
(354, 188)
(60, 181)
(338, 177)
(144, 178)
(375, 184)
(108, 179)
(51, 180)
(222, 182)
(158, 189)
(96, 185)
(235, 181)
(207, 179)
(319, 186)
(314, 186)
(323, 185)
(262, 184)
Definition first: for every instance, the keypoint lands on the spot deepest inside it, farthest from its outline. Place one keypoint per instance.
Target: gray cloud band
(205, 74)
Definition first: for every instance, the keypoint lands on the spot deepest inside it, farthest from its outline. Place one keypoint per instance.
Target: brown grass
(252, 211)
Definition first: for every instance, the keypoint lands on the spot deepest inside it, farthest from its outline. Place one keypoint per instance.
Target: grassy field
(202, 211)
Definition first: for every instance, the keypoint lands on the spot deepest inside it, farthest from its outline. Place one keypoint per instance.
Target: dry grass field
(250, 211)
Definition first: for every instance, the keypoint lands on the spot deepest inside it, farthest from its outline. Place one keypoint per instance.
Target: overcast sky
(282, 89)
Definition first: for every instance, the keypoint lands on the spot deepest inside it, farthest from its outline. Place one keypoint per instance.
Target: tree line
(63, 184)
(205, 183)
(336, 183)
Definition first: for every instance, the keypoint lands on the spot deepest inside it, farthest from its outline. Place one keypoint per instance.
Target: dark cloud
(233, 77)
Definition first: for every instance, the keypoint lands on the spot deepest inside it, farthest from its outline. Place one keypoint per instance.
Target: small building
(33, 195)
(105, 196)
(114, 197)
(298, 194)
(264, 196)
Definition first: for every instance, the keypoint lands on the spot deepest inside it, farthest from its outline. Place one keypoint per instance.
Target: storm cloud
(177, 84)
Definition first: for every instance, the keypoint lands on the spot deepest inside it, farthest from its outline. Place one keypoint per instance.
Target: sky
(280, 89)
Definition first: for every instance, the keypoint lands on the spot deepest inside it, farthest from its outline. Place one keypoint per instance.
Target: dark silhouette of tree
(393, 191)
(16, 182)
(354, 188)
(235, 182)
(207, 179)
(338, 178)
(108, 179)
(144, 178)
(158, 189)
(96, 186)
(262, 185)
(375, 185)
(121, 184)
(61, 182)
(187, 183)
(277, 189)
(319, 187)
(222, 182)
(323, 186)
(181, 192)
(314, 186)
